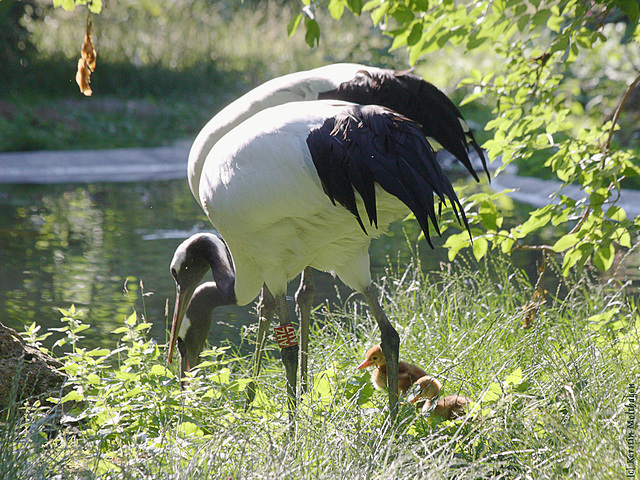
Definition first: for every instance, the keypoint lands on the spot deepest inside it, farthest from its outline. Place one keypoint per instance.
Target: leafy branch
(541, 115)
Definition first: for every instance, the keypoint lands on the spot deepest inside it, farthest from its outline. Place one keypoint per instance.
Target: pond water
(63, 245)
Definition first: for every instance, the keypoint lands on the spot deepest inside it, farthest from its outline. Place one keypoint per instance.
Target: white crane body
(260, 178)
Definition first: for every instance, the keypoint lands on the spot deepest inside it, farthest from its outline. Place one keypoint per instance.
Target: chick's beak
(365, 364)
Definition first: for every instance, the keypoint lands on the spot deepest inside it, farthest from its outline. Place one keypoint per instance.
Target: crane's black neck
(206, 251)
(223, 291)
(205, 299)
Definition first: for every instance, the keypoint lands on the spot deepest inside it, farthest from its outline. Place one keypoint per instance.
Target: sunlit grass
(549, 399)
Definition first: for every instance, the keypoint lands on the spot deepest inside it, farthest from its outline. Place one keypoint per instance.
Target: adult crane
(288, 188)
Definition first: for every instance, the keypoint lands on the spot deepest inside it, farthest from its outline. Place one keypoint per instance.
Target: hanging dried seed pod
(87, 63)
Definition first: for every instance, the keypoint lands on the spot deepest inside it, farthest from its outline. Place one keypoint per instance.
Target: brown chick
(426, 390)
(447, 408)
(407, 373)
(451, 407)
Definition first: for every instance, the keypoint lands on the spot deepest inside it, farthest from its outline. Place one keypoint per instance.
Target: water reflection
(64, 245)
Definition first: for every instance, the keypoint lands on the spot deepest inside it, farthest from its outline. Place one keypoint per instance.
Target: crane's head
(373, 357)
(190, 263)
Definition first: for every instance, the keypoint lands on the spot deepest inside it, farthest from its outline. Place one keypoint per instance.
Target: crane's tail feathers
(419, 100)
(370, 144)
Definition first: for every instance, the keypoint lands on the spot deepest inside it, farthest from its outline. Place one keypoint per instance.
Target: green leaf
(616, 214)
(241, 384)
(378, 14)
(555, 22)
(420, 5)
(98, 352)
(540, 17)
(603, 317)
(623, 237)
(515, 377)
(133, 392)
(570, 259)
(95, 6)
(336, 9)
(372, 5)
(221, 377)
(604, 256)
(565, 242)
(402, 15)
(455, 243)
(489, 216)
(131, 319)
(471, 97)
(125, 376)
(292, 26)
(536, 221)
(493, 394)
(476, 75)
(68, 5)
(312, 34)
(160, 371)
(480, 246)
(72, 396)
(355, 6)
(190, 429)
(577, 256)
(415, 34)
(507, 244)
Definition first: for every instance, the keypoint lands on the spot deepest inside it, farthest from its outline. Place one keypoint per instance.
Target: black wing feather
(366, 145)
(419, 100)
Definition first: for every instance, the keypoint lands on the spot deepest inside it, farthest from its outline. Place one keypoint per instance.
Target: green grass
(550, 399)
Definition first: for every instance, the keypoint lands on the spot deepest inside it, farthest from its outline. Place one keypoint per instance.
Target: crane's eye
(374, 358)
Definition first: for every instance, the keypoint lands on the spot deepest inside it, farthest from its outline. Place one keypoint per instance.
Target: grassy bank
(550, 398)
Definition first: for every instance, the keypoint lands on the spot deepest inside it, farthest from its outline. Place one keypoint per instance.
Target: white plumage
(294, 87)
(261, 191)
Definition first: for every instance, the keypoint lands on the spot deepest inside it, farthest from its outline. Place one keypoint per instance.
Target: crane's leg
(266, 309)
(390, 342)
(288, 343)
(304, 301)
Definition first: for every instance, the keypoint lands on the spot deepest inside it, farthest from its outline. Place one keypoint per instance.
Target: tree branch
(616, 116)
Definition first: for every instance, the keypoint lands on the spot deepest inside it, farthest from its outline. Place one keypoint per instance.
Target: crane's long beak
(182, 302)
